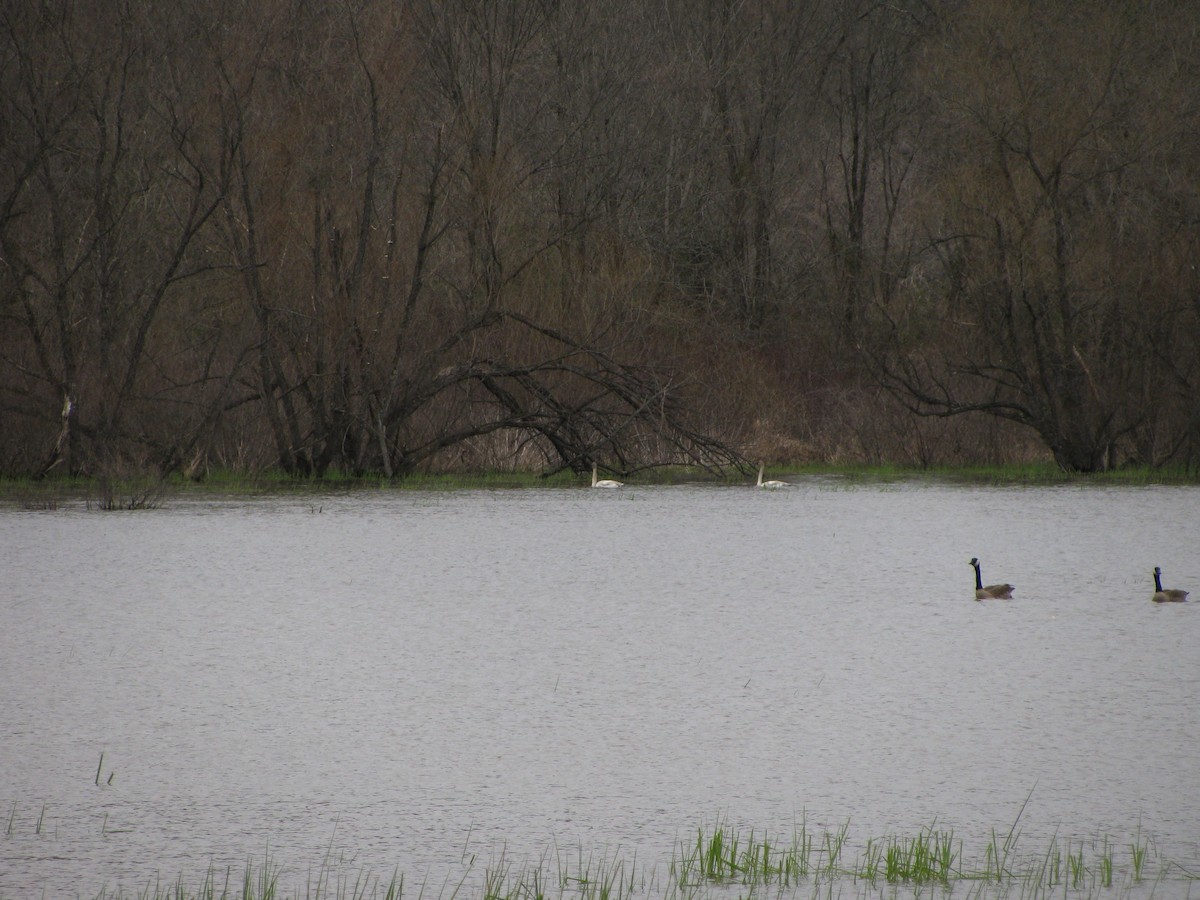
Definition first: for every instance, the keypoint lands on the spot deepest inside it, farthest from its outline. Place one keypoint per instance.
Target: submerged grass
(931, 856)
(722, 862)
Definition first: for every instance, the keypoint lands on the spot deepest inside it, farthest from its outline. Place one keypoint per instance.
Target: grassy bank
(1016, 474)
(721, 861)
(140, 492)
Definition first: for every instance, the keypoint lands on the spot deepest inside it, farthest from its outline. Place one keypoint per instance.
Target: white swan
(769, 485)
(604, 482)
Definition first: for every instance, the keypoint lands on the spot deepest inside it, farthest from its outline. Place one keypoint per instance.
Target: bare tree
(739, 92)
(874, 132)
(403, 280)
(523, 191)
(103, 209)
(1044, 299)
(371, 236)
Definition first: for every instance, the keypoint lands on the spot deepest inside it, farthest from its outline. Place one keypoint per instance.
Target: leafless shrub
(123, 484)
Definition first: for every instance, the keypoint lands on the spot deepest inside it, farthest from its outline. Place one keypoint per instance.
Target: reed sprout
(1137, 853)
(99, 767)
(1075, 868)
(1106, 871)
(834, 842)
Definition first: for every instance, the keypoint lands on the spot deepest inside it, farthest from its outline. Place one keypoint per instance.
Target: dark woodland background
(382, 236)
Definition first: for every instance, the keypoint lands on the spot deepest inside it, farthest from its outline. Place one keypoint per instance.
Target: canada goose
(992, 591)
(1161, 596)
(604, 482)
(769, 485)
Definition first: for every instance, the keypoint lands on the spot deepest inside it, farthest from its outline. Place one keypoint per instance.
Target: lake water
(394, 681)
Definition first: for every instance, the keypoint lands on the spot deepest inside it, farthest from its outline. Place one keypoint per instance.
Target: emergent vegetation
(380, 237)
(724, 862)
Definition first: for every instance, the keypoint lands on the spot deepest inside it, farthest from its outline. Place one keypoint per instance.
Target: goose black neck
(1157, 581)
(978, 578)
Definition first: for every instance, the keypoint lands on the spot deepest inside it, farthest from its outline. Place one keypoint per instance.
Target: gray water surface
(398, 679)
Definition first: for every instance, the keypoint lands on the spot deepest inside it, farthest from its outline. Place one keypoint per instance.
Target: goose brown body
(1170, 595)
(991, 591)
